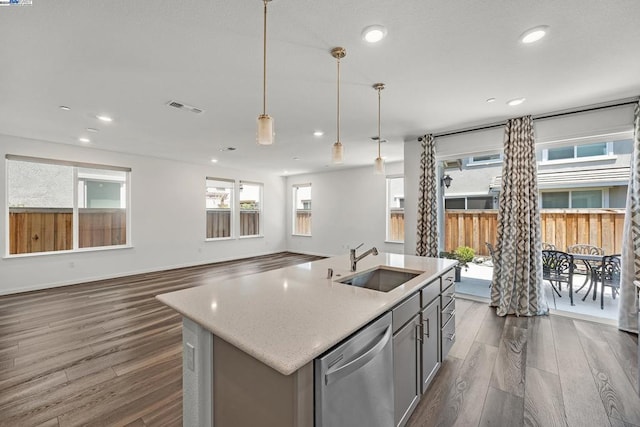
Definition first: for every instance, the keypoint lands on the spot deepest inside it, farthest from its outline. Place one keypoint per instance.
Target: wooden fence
(45, 230)
(303, 222)
(396, 225)
(219, 223)
(560, 227)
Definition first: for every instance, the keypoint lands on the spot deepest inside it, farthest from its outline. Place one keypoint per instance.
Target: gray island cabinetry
(250, 344)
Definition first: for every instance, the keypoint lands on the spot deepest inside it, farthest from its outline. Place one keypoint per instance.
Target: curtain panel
(628, 305)
(427, 228)
(516, 287)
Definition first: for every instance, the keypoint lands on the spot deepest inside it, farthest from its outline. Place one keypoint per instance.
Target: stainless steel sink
(380, 279)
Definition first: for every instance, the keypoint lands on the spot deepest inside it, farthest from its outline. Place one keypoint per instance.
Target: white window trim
(76, 223)
(472, 163)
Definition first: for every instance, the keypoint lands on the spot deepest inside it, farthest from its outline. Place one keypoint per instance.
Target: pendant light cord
(264, 62)
(338, 109)
(379, 89)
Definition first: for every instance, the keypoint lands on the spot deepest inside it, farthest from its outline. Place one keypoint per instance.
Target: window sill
(73, 251)
(218, 239)
(253, 236)
(577, 160)
(399, 242)
(301, 235)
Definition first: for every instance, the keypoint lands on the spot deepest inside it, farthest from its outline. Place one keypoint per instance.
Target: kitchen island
(249, 343)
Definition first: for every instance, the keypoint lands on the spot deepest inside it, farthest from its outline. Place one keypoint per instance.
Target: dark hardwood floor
(538, 371)
(103, 353)
(107, 353)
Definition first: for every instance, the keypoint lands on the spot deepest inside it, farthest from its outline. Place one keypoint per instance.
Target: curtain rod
(538, 117)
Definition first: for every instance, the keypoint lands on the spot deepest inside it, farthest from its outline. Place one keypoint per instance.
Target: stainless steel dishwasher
(354, 381)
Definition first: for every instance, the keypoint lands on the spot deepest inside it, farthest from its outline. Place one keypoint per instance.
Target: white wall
(348, 208)
(168, 220)
(412, 150)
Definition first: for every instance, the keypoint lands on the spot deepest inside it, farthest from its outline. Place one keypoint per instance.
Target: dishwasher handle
(360, 361)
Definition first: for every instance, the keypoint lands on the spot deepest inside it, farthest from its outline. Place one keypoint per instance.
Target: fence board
(560, 227)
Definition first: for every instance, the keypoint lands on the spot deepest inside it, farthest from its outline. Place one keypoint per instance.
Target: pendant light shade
(378, 162)
(337, 151)
(265, 122)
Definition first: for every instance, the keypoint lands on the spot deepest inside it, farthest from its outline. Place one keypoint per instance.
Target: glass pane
(102, 208)
(560, 153)
(486, 158)
(395, 209)
(40, 200)
(586, 199)
(480, 203)
(454, 203)
(250, 206)
(598, 149)
(219, 202)
(302, 214)
(555, 200)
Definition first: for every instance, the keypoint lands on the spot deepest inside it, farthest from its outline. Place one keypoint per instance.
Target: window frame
(232, 209)
(604, 194)
(388, 208)
(471, 162)
(75, 229)
(294, 210)
(575, 159)
(260, 210)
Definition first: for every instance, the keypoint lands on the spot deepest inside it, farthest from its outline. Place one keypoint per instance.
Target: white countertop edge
(287, 366)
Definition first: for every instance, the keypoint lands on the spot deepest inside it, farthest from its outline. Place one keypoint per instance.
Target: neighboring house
(593, 175)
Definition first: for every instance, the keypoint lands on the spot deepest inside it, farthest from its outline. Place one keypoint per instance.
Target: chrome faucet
(355, 259)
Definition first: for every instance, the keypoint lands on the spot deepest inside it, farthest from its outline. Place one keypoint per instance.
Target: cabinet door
(430, 343)
(406, 370)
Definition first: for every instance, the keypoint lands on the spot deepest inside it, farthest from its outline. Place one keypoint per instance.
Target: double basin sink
(382, 279)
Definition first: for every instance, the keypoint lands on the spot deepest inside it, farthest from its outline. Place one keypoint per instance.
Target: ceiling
(440, 61)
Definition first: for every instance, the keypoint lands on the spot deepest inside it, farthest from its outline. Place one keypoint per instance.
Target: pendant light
(379, 162)
(265, 122)
(337, 151)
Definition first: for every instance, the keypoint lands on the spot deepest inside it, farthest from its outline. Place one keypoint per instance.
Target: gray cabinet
(447, 314)
(406, 363)
(430, 343)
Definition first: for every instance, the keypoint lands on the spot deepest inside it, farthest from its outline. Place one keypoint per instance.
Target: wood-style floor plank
(511, 361)
(543, 403)
(501, 409)
(541, 349)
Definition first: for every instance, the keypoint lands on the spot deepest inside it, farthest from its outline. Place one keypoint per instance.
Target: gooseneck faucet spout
(355, 259)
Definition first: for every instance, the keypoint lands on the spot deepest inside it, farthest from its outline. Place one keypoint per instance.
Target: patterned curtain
(427, 242)
(517, 273)
(628, 306)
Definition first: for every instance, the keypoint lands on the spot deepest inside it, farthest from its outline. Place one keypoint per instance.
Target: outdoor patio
(476, 279)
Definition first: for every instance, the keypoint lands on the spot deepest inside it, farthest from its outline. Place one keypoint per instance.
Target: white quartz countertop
(287, 317)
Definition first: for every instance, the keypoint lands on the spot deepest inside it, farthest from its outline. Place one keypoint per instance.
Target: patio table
(587, 259)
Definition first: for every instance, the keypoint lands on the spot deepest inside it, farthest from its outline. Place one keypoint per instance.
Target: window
(576, 199)
(219, 203)
(302, 209)
(476, 202)
(598, 149)
(395, 209)
(485, 159)
(250, 209)
(64, 206)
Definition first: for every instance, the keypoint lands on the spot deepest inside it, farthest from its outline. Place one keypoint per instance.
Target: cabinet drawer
(448, 312)
(447, 297)
(446, 279)
(448, 336)
(430, 292)
(404, 311)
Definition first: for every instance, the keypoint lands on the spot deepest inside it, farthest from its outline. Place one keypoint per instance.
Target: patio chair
(548, 246)
(557, 268)
(608, 274)
(492, 252)
(585, 267)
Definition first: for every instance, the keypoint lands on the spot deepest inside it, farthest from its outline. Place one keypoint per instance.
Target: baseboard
(586, 317)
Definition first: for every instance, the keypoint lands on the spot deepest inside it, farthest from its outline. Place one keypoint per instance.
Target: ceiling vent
(452, 164)
(181, 106)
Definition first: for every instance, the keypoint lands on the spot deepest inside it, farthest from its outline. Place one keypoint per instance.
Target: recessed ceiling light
(104, 118)
(94, 130)
(374, 33)
(490, 100)
(84, 140)
(516, 101)
(65, 108)
(214, 160)
(285, 172)
(532, 35)
(318, 133)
